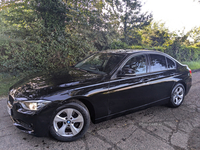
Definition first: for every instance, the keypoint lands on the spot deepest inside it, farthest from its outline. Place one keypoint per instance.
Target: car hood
(39, 85)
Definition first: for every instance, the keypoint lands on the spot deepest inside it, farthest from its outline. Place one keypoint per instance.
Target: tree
(18, 19)
(91, 22)
(52, 33)
(156, 34)
(194, 36)
(130, 17)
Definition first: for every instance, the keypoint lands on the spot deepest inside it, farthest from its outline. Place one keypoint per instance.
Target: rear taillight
(190, 72)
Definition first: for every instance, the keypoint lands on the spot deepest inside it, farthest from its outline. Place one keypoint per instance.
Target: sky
(177, 14)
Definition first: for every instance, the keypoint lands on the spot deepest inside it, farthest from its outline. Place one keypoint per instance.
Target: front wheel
(177, 95)
(70, 122)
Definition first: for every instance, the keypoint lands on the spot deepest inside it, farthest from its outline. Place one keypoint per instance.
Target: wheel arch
(172, 102)
(183, 83)
(87, 103)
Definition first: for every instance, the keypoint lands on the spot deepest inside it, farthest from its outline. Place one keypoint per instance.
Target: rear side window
(157, 62)
(171, 64)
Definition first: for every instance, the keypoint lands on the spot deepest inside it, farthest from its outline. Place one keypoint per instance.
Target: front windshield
(102, 63)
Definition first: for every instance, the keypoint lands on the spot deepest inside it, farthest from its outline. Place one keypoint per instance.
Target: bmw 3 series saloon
(104, 85)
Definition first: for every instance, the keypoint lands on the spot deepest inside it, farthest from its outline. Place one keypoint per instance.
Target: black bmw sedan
(102, 86)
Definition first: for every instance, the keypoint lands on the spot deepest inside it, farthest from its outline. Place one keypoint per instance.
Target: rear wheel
(70, 121)
(177, 95)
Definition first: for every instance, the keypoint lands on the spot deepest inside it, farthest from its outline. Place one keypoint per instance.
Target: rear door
(162, 70)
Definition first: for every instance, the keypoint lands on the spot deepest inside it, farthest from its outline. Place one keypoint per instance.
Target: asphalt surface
(156, 128)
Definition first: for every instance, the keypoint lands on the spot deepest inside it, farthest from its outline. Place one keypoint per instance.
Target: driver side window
(136, 65)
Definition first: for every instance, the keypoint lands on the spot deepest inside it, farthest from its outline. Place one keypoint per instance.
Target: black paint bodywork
(105, 95)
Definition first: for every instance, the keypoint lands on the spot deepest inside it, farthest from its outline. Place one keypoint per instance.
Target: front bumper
(35, 123)
(18, 123)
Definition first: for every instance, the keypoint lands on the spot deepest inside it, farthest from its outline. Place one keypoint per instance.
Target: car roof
(128, 51)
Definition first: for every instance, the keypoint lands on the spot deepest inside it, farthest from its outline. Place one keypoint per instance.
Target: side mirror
(126, 72)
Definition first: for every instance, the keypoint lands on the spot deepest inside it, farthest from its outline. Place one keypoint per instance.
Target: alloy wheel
(68, 122)
(178, 95)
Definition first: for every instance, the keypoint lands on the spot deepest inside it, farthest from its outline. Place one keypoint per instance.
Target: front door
(130, 89)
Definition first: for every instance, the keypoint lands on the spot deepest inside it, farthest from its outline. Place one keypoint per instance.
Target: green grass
(6, 81)
(193, 65)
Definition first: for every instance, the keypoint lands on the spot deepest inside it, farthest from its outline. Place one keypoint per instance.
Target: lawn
(193, 65)
(6, 81)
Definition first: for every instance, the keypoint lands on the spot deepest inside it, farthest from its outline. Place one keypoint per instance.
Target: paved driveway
(151, 129)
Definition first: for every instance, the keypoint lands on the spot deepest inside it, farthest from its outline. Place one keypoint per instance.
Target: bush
(117, 44)
(179, 52)
(184, 53)
(30, 57)
(136, 47)
(193, 64)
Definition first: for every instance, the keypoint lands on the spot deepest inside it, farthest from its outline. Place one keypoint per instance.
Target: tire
(177, 95)
(70, 121)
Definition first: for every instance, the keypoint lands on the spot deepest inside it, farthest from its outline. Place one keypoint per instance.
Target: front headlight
(34, 104)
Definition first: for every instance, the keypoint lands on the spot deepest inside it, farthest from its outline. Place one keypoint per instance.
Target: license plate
(8, 110)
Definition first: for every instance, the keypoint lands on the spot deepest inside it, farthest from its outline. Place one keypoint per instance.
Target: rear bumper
(188, 85)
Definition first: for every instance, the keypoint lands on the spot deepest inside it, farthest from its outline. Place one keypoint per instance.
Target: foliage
(117, 44)
(179, 52)
(39, 35)
(184, 53)
(194, 65)
(131, 18)
(156, 34)
(52, 34)
(91, 22)
(7, 80)
(194, 34)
